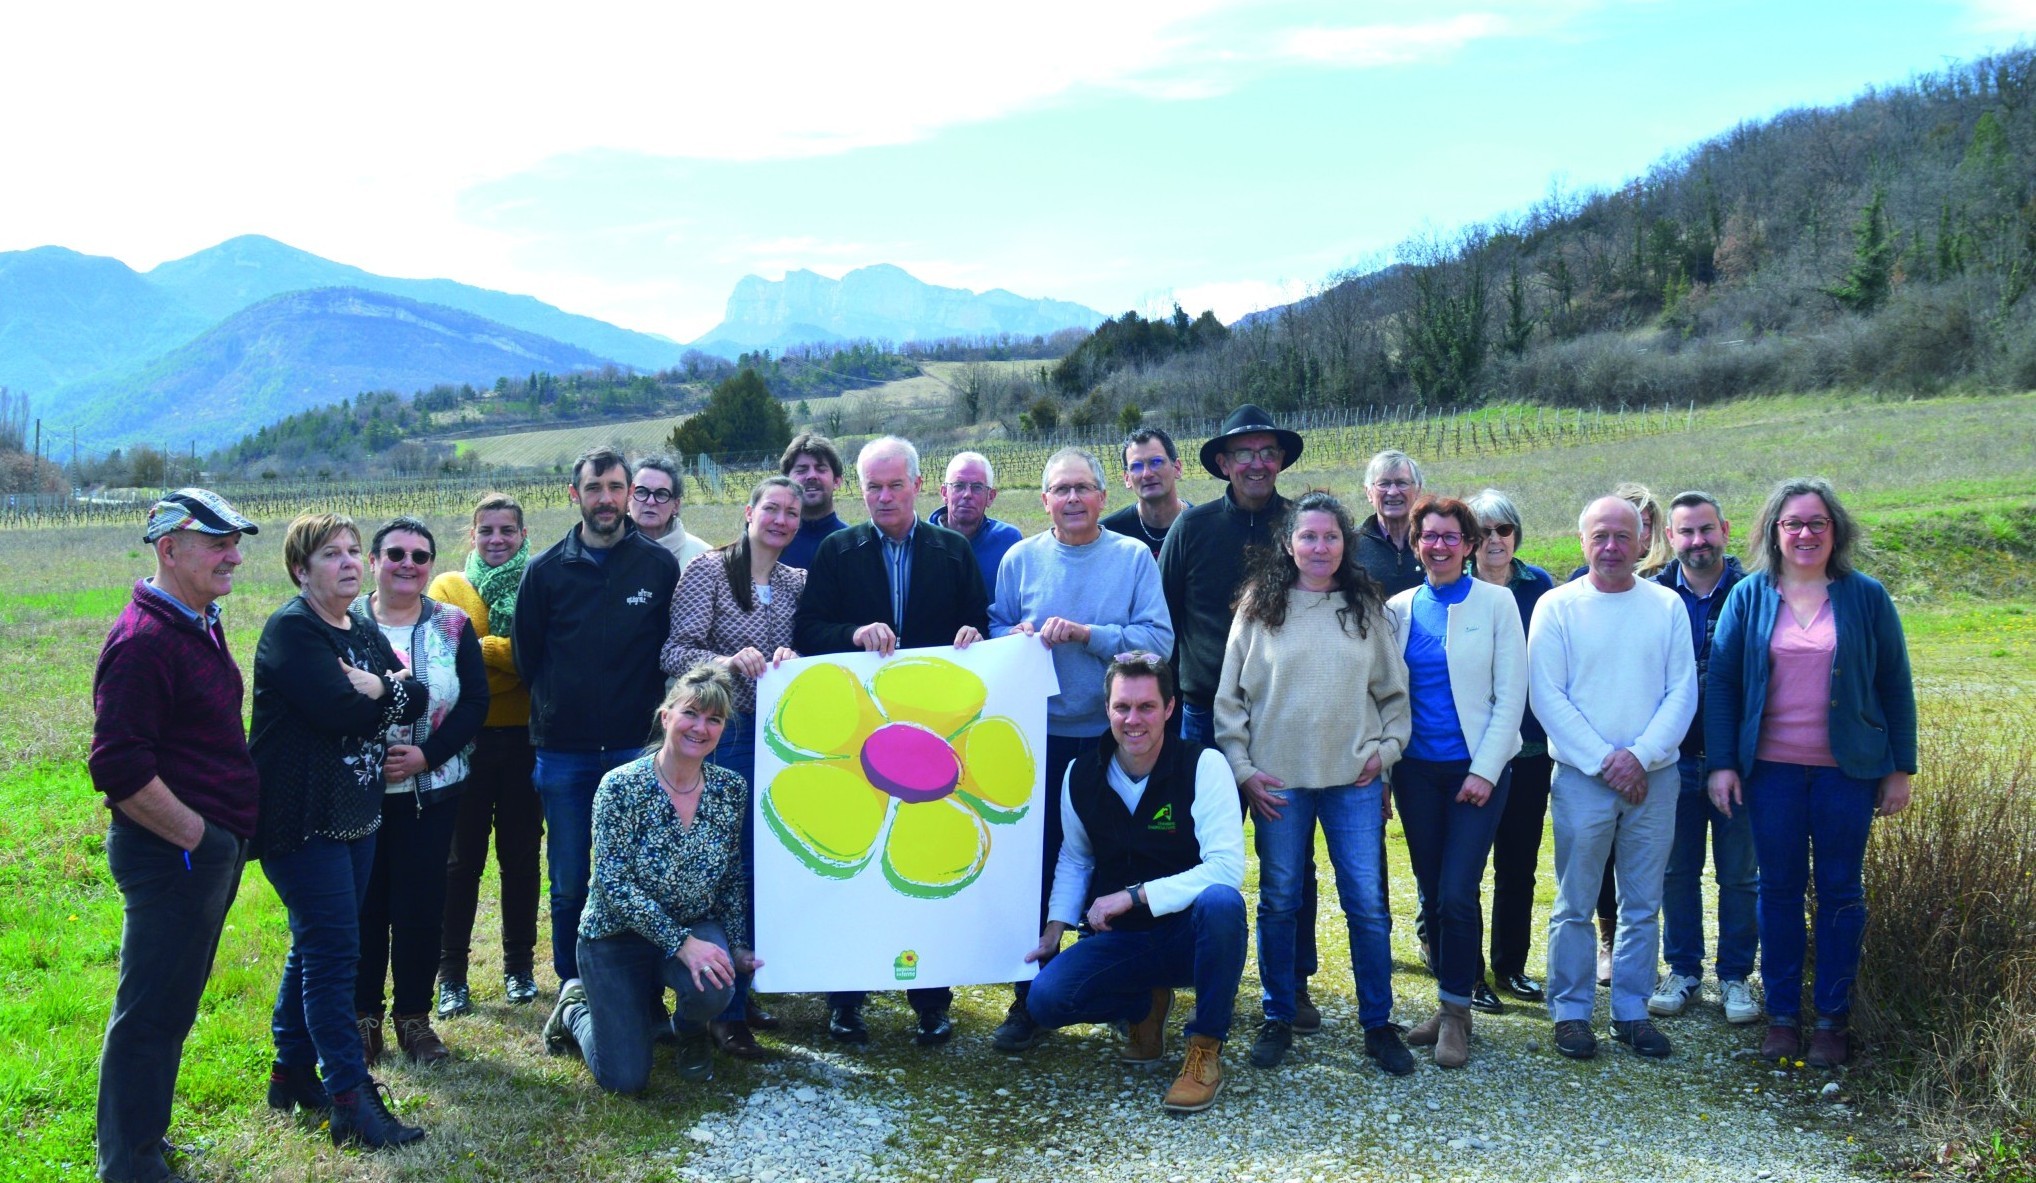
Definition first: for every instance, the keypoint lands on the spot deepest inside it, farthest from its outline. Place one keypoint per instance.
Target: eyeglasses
(1063, 492)
(958, 488)
(1270, 454)
(395, 554)
(1156, 464)
(1499, 529)
(655, 496)
(1804, 525)
(1139, 657)
(1431, 538)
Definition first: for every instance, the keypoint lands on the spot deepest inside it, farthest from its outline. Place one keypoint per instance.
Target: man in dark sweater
(1392, 483)
(813, 462)
(1152, 471)
(592, 615)
(1151, 869)
(170, 757)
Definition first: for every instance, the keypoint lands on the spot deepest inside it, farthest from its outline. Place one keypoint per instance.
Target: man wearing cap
(170, 757)
(966, 494)
(1200, 567)
(1385, 548)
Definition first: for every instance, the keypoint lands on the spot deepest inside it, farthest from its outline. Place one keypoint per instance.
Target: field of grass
(556, 446)
(1946, 488)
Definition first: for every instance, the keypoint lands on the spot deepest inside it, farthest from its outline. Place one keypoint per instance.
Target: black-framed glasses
(1499, 529)
(653, 496)
(396, 554)
(1804, 525)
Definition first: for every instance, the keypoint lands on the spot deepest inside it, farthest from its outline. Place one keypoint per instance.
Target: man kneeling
(1150, 868)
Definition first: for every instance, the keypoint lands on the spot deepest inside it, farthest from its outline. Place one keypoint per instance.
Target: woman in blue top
(1810, 723)
(1467, 678)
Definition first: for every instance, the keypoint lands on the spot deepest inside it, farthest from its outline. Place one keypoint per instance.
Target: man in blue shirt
(814, 464)
(967, 493)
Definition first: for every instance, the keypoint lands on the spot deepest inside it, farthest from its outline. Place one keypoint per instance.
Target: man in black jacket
(592, 614)
(1385, 543)
(894, 582)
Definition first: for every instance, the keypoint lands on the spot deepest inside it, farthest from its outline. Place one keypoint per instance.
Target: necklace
(665, 782)
(1147, 531)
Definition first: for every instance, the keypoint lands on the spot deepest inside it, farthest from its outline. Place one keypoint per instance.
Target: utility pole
(35, 480)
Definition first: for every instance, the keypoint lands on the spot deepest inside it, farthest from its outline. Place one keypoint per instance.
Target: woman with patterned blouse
(733, 608)
(666, 906)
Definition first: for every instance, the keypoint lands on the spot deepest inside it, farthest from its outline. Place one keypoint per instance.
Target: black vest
(1153, 841)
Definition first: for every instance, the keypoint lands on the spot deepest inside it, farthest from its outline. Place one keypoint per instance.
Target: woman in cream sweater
(1467, 678)
(1311, 711)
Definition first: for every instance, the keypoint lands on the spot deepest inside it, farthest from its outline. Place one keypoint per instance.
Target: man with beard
(592, 615)
(814, 464)
(1392, 483)
(1152, 471)
(1702, 575)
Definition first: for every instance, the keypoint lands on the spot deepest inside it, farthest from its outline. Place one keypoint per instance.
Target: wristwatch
(1136, 892)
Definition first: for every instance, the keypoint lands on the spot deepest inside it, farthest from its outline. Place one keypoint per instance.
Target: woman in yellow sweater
(1311, 712)
(499, 799)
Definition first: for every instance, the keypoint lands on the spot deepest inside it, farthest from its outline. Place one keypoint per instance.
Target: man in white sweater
(1612, 677)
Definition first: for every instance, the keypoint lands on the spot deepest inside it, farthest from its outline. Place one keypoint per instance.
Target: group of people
(1250, 655)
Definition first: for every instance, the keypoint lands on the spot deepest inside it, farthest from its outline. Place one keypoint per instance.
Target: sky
(633, 161)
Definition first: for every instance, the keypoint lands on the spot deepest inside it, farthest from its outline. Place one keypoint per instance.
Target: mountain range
(209, 347)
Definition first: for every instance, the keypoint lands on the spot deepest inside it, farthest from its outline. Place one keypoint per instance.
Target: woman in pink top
(1810, 724)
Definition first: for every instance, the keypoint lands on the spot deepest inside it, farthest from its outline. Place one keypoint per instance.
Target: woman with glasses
(1466, 654)
(1809, 725)
(424, 769)
(1312, 712)
(1516, 849)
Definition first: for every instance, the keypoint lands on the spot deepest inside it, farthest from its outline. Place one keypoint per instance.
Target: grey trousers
(1591, 821)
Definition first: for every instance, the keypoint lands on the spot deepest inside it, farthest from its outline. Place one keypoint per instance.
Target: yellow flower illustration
(905, 763)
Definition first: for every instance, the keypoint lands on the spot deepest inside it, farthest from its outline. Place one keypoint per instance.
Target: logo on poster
(906, 966)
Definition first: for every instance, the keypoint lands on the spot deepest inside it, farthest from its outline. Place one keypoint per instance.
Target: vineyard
(1339, 440)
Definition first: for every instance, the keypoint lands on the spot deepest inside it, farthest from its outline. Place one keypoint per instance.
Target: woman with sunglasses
(1516, 849)
(424, 769)
(1466, 654)
(1809, 725)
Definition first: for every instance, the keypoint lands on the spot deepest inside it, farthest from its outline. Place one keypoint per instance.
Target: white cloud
(2004, 16)
(1228, 300)
(1391, 45)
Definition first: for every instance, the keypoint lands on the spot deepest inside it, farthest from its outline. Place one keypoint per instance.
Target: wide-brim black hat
(1250, 419)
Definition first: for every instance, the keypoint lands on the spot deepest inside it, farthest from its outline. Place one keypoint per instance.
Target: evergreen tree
(740, 416)
(1871, 277)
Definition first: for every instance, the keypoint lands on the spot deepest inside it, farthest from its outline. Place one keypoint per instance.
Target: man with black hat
(1201, 565)
(170, 757)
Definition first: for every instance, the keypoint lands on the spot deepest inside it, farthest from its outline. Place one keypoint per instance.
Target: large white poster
(899, 816)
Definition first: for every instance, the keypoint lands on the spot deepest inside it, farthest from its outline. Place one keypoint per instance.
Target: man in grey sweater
(1088, 594)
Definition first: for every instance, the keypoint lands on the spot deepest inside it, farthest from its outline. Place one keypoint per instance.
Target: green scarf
(497, 586)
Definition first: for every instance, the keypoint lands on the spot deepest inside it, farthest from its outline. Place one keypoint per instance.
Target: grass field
(1947, 489)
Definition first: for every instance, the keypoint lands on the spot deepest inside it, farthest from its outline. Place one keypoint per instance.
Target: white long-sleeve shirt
(1219, 831)
(1611, 670)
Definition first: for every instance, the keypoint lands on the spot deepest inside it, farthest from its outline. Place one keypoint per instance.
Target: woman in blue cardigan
(1810, 722)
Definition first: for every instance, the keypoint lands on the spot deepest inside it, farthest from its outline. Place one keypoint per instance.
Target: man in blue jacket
(966, 494)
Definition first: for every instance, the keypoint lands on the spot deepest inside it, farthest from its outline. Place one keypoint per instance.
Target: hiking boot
(1275, 1036)
(1482, 999)
(696, 1057)
(1642, 1036)
(518, 989)
(1201, 1077)
(1383, 1045)
(359, 1116)
(1452, 1041)
(418, 1041)
(297, 1088)
(734, 1039)
(1782, 1042)
(1307, 1016)
(1426, 1031)
(558, 1032)
(1739, 1004)
(454, 999)
(845, 1025)
(1145, 1040)
(370, 1025)
(1575, 1039)
(1017, 1033)
(1829, 1047)
(1673, 994)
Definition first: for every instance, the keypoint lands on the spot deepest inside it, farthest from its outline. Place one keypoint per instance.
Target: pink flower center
(910, 763)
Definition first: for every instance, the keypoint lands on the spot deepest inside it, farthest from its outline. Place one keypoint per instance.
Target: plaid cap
(195, 509)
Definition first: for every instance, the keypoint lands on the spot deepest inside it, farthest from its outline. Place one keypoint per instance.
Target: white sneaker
(1739, 1004)
(1673, 994)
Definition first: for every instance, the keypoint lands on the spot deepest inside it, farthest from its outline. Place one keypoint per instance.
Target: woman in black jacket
(327, 688)
(424, 770)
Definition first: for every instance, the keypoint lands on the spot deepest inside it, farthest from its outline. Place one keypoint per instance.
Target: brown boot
(1452, 1041)
(1201, 1077)
(1146, 1041)
(370, 1024)
(1424, 1033)
(418, 1041)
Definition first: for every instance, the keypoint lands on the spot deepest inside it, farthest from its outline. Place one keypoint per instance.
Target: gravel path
(1068, 1110)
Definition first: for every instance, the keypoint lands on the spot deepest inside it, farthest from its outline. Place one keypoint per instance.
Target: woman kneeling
(665, 908)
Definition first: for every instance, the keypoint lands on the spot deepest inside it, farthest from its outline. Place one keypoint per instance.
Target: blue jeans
(1448, 842)
(1682, 892)
(566, 782)
(1805, 821)
(1354, 824)
(1109, 976)
(737, 753)
(322, 883)
(1198, 724)
(626, 977)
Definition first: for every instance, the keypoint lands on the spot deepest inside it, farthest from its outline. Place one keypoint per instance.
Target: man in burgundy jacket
(170, 755)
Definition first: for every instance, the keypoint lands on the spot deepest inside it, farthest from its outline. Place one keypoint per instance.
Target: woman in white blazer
(1467, 669)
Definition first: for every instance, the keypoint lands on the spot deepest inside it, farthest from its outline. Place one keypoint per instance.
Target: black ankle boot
(296, 1088)
(359, 1115)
